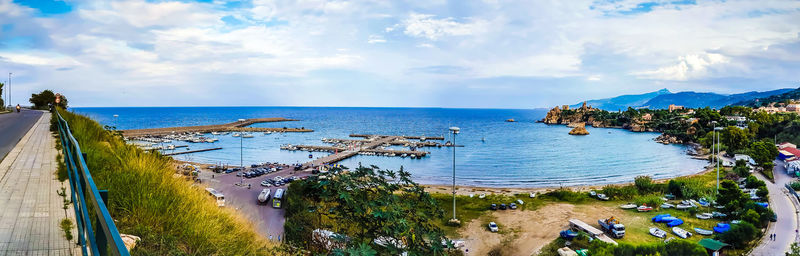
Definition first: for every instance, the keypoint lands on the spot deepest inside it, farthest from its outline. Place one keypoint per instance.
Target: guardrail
(104, 239)
(791, 190)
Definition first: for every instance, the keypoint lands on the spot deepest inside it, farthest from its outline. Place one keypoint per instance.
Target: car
(502, 206)
(493, 227)
(265, 184)
(512, 206)
(493, 207)
(774, 217)
(239, 174)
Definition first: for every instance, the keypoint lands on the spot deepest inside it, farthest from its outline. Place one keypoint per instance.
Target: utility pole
(241, 156)
(454, 130)
(9, 89)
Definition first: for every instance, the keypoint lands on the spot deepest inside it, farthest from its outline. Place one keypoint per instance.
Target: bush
(620, 192)
(739, 235)
(795, 185)
(566, 195)
(674, 188)
(650, 200)
(753, 182)
(644, 184)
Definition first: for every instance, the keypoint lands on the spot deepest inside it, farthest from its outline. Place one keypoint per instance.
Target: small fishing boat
(676, 222)
(681, 232)
(667, 205)
(703, 202)
(656, 232)
(214, 133)
(722, 228)
(683, 206)
(592, 193)
(628, 206)
(704, 216)
(247, 136)
(644, 208)
(718, 215)
(603, 197)
(482, 196)
(532, 194)
(236, 135)
(704, 232)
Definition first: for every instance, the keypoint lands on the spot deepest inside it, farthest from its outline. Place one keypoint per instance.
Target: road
(13, 126)
(785, 207)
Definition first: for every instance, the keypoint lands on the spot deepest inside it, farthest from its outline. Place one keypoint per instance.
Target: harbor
(375, 145)
(240, 125)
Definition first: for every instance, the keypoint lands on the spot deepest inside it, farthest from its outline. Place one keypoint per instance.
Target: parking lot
(241, 193)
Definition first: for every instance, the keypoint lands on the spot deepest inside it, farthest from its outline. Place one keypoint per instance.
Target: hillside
(661, 99)
(624, 101)
(761, 101)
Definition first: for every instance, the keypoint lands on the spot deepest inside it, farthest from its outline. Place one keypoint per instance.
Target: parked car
(493, 227)
(493, 207)
(265, 184)
(774, 217)
(502, 206)
(512, 206)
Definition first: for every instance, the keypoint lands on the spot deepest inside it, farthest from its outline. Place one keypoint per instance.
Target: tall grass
(146, 200)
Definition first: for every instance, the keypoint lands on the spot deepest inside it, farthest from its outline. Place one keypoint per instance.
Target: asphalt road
(13, 126)
(783, 205)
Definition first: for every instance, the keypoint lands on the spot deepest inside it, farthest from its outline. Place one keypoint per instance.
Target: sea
(495, 153)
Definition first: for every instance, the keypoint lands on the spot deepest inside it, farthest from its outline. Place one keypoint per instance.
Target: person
(18, 108)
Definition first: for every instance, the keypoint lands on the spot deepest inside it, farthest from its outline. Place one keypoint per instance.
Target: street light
(454, 130)
(715, 150)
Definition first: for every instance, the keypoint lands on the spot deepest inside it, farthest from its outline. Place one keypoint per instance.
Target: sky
(429, 53)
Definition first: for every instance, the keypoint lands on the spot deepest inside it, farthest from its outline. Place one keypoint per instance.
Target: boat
(214, 133)
(627, 206)
(681, 232)
(722, 228)
(704, 216)
(658, 218)
(482, 196)
(703, 202)
(592, 193)
(656, 232)
(532, 194)
(683, 206)
(236, 135)
(704, 232)
(602, 197)
(247, 136)
(676, 222)
(644, 208)
(667, 205)
(568, 234)
(718, 215)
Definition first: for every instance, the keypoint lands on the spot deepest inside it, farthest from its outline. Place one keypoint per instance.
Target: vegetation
(66, 227)
(599, 248)
(171, 216)
(780, 98)
(368, 209)
(2, 103)
(45, 98)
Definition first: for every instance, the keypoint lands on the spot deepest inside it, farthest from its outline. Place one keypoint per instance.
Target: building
(786, 145)
(647, 117)
(793, 108)
(673, 107)
(713, 247)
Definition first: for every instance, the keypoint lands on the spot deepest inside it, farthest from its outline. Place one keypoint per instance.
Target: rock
(511, 120)
(130, 241)
(579, 129)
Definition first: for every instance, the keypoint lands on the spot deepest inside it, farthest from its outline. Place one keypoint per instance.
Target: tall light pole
(241, 156)
(715, 151)
(9, 89)
(454, 130)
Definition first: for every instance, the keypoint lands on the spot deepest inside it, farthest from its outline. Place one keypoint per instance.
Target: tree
(2, 103)
(734, 138)
(644, 183)
(763, 152)
(46, 97)
(730, 196)
(365, 205)
(741, 168)
(794, 250)
(739, 235)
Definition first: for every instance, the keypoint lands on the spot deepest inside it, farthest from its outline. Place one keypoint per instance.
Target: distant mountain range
(661, 99)
(762, 101)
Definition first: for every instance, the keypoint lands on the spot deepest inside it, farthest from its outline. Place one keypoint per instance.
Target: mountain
(624, 101)
(707, 99)
(661, 99)
(761, 101)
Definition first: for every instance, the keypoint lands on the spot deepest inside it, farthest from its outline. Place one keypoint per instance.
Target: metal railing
(104, 239)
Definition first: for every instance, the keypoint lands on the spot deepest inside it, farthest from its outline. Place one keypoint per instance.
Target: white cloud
(375, 39)
(689, 66)
(427, 26)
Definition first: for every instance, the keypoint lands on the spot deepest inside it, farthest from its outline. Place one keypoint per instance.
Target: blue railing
(104, 239)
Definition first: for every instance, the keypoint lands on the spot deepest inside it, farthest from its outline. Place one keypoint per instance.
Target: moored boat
(704, 216)
(628, 206)
(602, 197)
(704, 232)
(644, 208)
(667, 205)
(482, 195)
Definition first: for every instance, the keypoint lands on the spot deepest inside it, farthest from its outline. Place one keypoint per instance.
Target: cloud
(427, 26)
(375, 39)
(689, 66)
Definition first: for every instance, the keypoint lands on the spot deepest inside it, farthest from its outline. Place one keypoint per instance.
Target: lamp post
(241, 156)
(715, 151)
(454, 130)
(9, 89)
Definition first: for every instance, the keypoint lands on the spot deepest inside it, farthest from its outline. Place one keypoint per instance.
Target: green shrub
(566, 195)
(644, 184)
(739, 235)
(795, 185)
(650, 200)
(620, 192)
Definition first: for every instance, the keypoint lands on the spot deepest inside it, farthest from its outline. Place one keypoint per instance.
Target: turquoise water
(520, 154)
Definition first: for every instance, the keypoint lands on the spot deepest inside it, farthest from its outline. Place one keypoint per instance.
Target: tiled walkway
(30, 208)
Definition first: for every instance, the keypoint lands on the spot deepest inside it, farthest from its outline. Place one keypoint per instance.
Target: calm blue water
(521, 154)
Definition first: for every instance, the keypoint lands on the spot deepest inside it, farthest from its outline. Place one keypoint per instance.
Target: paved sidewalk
(30, 209)
(781, 202)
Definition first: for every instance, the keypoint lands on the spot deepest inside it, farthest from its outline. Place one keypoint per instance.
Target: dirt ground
(525, 232)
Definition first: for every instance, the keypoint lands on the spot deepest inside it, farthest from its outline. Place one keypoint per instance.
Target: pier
(238, 126)
(190, 151)
(371, 145)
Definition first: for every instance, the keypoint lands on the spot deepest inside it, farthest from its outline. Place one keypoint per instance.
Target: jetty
(238, 126)
(190, 151)
(370, 145)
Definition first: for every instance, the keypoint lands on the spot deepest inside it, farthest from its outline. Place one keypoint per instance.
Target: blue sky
(435, 53)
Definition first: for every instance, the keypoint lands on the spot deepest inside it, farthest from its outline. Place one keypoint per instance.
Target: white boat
(214, 133)
(482, 196)
(267, 133)
(667, 205)
(247, 136)
(644, 208)
(532, 194)
(471, 195)
(592, 193)
(602, 197)
(704, 216)
(235, 135)
(627, 206)
(684, 206)
(704, 232)
(658, 232)
(681, 232)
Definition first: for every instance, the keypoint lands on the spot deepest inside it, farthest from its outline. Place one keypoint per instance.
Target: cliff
(579, 130)
(571, 117)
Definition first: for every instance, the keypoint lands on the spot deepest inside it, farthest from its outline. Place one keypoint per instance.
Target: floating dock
(371, 145)
(238, 126)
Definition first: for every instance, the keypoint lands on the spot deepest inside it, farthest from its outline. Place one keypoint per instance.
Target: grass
(66, 227)
(169, 214)
(470, 208)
